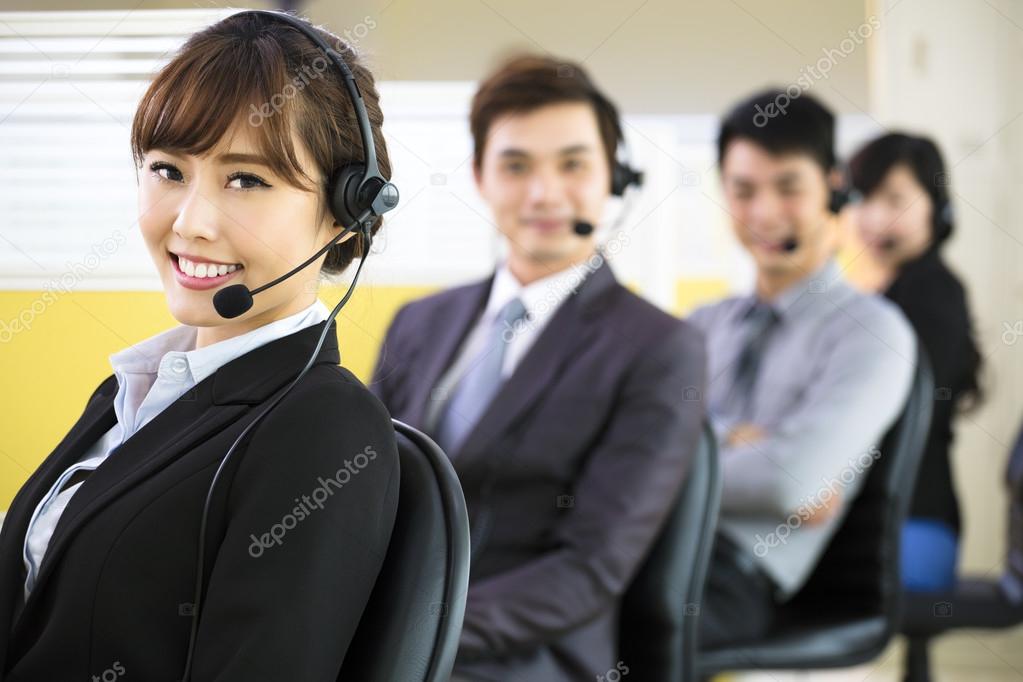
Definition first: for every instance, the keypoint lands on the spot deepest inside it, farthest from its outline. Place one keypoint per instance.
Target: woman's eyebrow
(238, 157)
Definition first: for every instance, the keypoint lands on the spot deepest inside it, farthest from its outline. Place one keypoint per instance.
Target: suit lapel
(446, 331)
(195, 416)
(96, 420)
(570, 329)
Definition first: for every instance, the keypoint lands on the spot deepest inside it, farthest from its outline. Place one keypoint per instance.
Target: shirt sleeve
(861, 388)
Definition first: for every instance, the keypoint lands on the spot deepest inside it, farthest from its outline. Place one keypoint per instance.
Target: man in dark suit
(569, 406)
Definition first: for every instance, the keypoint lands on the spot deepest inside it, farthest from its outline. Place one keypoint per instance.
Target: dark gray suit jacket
(591, 436)
(113, 593)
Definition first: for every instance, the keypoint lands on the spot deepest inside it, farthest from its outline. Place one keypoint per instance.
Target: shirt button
(178, 366)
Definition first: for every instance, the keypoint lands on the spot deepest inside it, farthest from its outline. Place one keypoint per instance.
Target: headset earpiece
(945, 214)
(838, 199)
(343, 190)
(622, 176)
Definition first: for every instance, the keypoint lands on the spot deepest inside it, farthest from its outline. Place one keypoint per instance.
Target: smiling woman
(127, 551)
(233, 171)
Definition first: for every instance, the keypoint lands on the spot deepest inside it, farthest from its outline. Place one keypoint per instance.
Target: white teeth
(204, 269)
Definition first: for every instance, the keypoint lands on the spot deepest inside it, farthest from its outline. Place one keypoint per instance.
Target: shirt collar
(800, 295)
(177, 345)
(540, 298)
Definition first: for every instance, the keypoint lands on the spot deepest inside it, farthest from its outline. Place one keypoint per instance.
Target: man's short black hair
(782, 124)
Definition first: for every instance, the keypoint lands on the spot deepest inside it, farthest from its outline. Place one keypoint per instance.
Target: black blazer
(114, 589)
(935, 303)
(592, 434)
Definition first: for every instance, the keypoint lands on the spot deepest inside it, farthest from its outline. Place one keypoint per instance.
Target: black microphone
(790, 245)
(236, 299)
(582, 228)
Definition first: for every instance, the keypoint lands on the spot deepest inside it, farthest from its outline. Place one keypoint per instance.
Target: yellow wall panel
(51, 366)
(60, 353)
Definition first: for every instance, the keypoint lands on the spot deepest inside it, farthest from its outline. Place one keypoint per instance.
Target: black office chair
(851, 606)
(411, 625)
(660, 609)
(974, 602)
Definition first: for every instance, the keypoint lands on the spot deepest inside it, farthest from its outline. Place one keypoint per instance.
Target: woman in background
(904, 219)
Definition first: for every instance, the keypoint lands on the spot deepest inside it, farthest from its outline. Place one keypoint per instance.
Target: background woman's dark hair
(251, 69)
(870, 165)
(867, 170)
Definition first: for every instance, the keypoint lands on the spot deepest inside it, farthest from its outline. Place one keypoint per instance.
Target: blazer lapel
(195, 416)
(97, 418)
(567, 331)
(447, 328)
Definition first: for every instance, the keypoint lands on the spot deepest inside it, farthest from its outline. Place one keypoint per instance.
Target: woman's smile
(201, 275)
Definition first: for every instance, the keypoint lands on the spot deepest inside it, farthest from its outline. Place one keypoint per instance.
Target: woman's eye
(157, 166)
(248, 177)
(247, 180)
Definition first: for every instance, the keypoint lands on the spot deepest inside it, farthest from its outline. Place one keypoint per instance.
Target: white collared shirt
(151, 375)
(541, 299)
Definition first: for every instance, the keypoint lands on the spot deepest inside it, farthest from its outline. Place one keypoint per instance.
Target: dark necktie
(759, 324)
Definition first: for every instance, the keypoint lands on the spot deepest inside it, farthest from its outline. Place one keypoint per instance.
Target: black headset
(357, 194)
(623, 175)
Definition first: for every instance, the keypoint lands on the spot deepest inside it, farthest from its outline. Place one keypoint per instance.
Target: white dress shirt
(151, 375)
(541, 299)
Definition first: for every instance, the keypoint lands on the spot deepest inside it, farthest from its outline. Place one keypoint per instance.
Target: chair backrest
(859, 573)
(660, 609)
(411, 625)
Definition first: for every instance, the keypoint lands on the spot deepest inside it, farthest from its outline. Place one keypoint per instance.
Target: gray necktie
(759, 323)
(477, 387)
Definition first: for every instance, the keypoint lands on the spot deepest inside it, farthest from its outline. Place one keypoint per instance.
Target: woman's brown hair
(253, 68)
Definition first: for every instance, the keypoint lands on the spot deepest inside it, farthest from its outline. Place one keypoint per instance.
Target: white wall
(952, 69)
